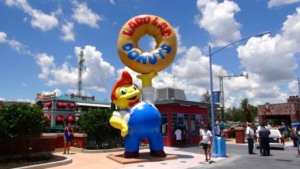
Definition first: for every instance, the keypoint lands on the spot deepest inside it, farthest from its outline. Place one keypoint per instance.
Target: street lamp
(212, 108)
(222, 102)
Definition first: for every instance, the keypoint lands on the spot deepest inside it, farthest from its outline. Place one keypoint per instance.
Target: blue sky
(40, 42)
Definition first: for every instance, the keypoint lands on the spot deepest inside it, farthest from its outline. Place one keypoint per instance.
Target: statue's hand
(147, 78)
(116, 122)
(124, 130)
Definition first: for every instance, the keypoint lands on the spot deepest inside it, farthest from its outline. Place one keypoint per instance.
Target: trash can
(221, 146)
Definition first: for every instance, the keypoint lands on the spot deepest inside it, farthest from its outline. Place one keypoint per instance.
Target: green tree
(205, 97)
(21, 126)
(100, 134)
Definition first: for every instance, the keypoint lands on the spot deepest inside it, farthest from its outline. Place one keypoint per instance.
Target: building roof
(84, 100)
(183, 103)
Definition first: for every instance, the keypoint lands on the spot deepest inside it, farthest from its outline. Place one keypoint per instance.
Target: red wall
(169, 140)
(47, 143)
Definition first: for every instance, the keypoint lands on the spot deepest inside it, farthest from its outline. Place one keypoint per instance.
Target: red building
(176, 113)
(282, 112)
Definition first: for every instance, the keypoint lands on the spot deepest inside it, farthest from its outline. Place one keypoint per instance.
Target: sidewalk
(96, 159)
(99, 160)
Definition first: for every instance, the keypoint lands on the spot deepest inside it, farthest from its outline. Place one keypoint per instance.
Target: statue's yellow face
(127, 96)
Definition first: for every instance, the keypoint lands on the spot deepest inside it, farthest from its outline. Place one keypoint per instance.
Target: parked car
(274, 138)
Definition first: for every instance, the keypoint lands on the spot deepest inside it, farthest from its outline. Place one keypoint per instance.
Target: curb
(68, 160)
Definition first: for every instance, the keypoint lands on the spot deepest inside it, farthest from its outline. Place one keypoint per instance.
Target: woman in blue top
(68, 134)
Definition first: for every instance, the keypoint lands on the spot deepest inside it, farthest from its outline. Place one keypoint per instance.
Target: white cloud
(17, 46)
(293, 87)
(67, 32)
(98, 71)
(39, 20)
(2, 37)
(84, 15)
(274, 3)
(46, 64)
(112, 2)
(218, 20)
(271, 63)
(43, 21)
(95, 75)
(180, 47)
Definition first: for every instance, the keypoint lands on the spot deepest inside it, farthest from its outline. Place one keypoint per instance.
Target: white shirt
(249, 132)
(257, 131)
(206, 136)
(178, 134)
(218, 131)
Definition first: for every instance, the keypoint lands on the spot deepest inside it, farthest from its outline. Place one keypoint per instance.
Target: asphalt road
(237, 157)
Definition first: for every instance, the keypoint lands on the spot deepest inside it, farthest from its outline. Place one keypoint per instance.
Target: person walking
(68, 135)
(283, 133)
(178, 134)
(200, 135)
(184, 136)
(206, 141)
(264, 140)
(298, 140)
(250, 138)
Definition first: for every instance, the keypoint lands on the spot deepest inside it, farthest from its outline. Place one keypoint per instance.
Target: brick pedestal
(240, 135)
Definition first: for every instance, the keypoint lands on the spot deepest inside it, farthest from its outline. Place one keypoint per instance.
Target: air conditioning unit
(170, 93)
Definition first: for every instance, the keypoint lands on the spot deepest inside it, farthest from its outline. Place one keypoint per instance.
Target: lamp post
(212, 108)
(222, 102)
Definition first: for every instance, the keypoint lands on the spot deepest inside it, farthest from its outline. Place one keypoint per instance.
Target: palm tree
(245, 106)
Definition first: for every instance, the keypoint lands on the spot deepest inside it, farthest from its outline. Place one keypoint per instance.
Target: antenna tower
(81, 60)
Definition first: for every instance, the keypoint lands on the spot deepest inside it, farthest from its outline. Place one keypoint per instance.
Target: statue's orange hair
(125, 79)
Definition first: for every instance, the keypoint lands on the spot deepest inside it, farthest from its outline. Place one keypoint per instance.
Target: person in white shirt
(250, 138)
(206, 141)
(217, 129)
(178, 134)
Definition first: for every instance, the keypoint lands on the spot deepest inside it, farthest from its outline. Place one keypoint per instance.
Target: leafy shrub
(20, 127)
(100, 133)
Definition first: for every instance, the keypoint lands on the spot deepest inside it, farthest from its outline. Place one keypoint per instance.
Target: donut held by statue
(151, 61)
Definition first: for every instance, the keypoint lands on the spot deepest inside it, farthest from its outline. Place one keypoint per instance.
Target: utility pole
(81, 60)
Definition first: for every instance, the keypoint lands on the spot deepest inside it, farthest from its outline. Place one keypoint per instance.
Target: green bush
(20, 127)
(100, 133)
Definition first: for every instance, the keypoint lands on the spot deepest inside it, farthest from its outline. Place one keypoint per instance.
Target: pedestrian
(206, 141)
(178, 134)
(283, 133)
(297, 138)
(217, 129)
(68, 135)
(264, 140)
(250, 137)
(200, 135)
(258, 139)
(184, 136)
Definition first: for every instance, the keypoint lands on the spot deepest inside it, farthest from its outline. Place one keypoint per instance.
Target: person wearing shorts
(68, 135)
(206, 141)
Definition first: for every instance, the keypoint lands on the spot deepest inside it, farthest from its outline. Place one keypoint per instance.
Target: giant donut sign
(152, 61)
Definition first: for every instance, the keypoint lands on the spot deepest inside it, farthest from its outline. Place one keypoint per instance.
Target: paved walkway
(100, 160)
(95, 160)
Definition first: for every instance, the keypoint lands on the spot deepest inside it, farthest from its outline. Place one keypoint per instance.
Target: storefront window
(164, 124)
(179, 120)
(196, 122)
